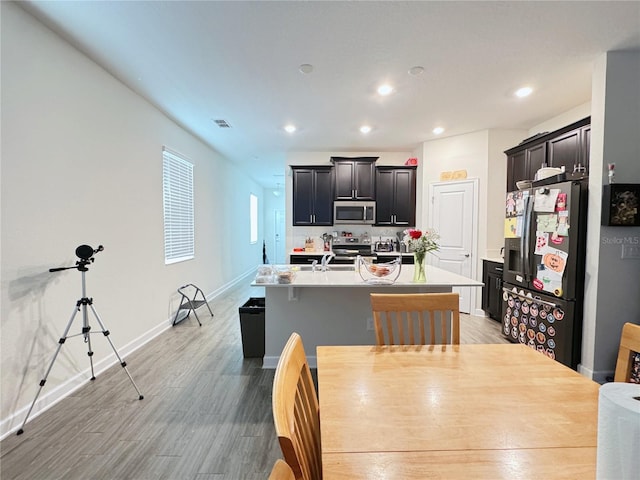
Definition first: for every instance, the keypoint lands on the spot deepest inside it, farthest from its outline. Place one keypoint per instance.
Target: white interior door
(453, 214)
(278, 241)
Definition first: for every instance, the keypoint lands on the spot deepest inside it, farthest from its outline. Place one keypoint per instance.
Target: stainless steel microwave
(354, 213)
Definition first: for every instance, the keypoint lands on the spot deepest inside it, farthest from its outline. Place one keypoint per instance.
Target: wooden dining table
(454, 411)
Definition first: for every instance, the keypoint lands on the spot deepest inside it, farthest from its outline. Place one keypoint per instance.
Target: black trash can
(252, 327)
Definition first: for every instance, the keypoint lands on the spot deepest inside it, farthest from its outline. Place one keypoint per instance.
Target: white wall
(82, 163)
(562, 120)
(612, 284)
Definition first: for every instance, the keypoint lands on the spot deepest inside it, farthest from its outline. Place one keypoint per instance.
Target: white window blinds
(177, 190)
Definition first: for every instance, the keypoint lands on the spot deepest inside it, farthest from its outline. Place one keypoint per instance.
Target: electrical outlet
(369, 323)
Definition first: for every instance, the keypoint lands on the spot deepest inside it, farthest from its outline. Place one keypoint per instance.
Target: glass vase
(418, 268)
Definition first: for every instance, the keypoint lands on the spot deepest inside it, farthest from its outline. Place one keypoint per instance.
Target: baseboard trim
(601, 376)
(270, 363)
(48, 399)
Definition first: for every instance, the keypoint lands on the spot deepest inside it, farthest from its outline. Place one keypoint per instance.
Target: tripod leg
(86, 331)
(106, 333)
(55, 355)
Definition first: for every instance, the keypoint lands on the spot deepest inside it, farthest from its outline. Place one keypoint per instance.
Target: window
(177, 192)
(253, 215)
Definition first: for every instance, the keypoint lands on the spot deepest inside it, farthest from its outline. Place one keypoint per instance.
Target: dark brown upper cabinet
(312, 195)
(354, 178)
(396, 196)
(567, 147)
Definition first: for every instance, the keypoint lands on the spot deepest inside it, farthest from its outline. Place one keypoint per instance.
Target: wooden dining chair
(628, 363)
(412, 318)
(281, 471)
(296, 413)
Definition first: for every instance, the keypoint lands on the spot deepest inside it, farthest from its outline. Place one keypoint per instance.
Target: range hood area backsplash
(315, 233)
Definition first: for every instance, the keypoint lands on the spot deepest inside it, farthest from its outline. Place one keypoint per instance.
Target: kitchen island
(334, 307)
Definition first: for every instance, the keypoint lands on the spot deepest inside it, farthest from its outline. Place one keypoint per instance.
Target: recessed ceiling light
(385, 89)
(306, 68)
(417, 70)
(290, 128)
(365, 129)
(524, 92)
(438, 130)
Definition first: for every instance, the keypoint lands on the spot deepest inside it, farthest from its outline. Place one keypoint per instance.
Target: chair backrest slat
(404, 318)
(296, 412)
(629, 346)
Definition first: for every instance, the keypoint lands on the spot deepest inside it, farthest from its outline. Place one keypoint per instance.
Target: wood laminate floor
(206, 412)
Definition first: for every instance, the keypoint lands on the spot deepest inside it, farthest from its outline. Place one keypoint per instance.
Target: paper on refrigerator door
(547, 223)
(513, 227)
(551, 270)
(542, 240)
(545, 200)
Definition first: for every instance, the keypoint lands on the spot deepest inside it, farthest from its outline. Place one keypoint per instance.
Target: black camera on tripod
(85, 254)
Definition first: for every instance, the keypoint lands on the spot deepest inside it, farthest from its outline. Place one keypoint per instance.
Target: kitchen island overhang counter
(334, 307)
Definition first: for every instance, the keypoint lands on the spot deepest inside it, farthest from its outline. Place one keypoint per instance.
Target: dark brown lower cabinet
(492, 290)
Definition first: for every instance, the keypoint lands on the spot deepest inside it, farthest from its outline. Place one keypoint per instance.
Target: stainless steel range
(346, 249)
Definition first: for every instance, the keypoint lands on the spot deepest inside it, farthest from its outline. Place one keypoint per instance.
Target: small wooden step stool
(190, 302)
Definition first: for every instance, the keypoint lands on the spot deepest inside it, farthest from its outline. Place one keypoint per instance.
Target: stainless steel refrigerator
(544, 265)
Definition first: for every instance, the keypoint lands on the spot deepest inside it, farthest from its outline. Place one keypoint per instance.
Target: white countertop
(436, 277)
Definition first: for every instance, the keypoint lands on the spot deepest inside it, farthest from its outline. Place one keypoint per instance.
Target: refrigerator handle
(525, 240)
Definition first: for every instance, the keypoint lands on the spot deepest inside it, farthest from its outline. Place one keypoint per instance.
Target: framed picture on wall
(621, 205)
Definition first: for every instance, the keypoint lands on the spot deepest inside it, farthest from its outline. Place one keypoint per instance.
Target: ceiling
(239, 61)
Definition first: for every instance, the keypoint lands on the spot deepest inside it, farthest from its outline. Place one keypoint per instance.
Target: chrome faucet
(326, 258)
(314, 264)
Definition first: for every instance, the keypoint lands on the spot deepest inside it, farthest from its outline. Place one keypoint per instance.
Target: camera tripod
(85, 253)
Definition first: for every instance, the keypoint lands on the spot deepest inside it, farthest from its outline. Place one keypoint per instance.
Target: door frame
(474, 293)
(279, 227)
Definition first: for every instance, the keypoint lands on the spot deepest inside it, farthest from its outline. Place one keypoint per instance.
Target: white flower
(421, 242)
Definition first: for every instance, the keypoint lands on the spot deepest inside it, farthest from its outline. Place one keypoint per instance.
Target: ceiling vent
(222, 123)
